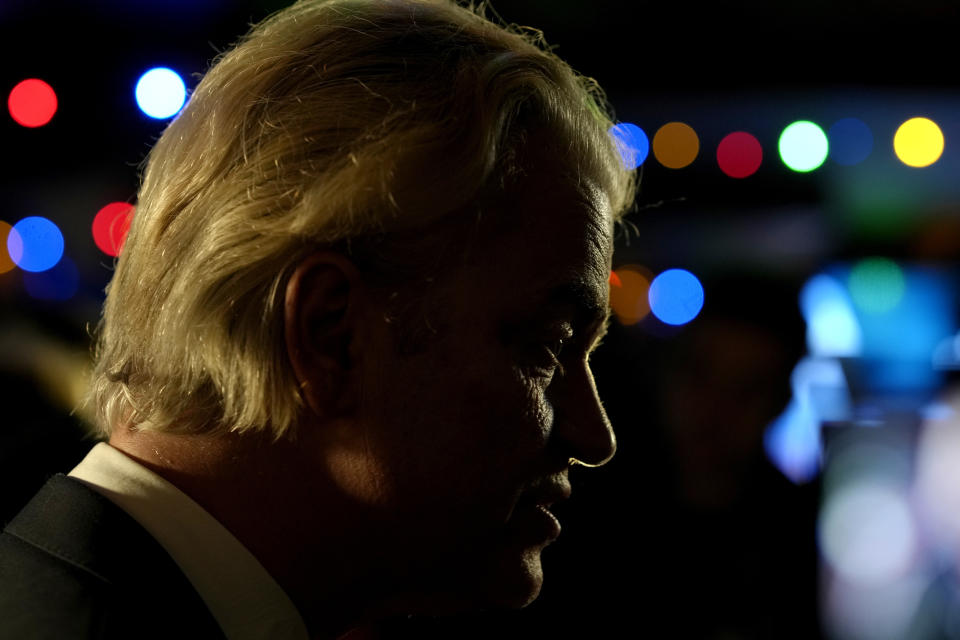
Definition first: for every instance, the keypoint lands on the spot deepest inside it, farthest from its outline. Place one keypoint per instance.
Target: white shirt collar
(246, 601)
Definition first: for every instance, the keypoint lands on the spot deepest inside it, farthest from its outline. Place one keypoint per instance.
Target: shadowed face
(463, 439)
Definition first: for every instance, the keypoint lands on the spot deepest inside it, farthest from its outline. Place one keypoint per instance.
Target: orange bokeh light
(6, 262)
(628, 299)
(676, 145)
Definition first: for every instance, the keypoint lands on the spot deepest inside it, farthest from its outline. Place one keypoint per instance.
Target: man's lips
(536, 503)
(546, 511)
(546, 495)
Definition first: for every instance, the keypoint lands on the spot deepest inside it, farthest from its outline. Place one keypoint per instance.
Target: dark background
(693, 535)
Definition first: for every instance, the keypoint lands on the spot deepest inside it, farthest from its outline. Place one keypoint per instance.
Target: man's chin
(514, 579)
(506, 581)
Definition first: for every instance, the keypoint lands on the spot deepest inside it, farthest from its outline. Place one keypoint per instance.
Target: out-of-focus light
(918, 142)
(876, 285)
(110, 227)
(37, 245)
(871, 460)
(803, 146)
(876, 612)
(946, 355)
(850, 141)
(57, 283)
(937, 412)
(676, 145)
(739, 154)
(676, 296)
(632, 143)
(905, 337)
(792, 443)
(832, 326)
(938, 480)
(867, 533)
(820, 384)
(160, 93)
(614, 280)
(629, 299)
(32, 103)
(6, 262)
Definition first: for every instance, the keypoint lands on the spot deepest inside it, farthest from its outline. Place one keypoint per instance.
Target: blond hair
(330, 122)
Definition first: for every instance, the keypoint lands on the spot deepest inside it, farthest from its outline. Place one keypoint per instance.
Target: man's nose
(581, 421)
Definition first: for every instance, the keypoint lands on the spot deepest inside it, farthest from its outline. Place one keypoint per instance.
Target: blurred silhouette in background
(729, 541)
(43, 378)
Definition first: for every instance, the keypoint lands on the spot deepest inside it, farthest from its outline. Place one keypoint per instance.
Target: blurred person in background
(44, 374)
(343, 362)
(736, 537)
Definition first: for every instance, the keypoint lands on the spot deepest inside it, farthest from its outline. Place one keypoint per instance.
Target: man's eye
(545, 356)
(555, 348)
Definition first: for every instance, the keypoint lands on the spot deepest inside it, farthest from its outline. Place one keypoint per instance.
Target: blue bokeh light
(832, 326)
(850, 141)
(793, 440)
(58, 283)
(903, 341)
(37, 244)
(792, 443)
(632, 143)
(676, 296)
(946, 355)
(160, 93)
(894, 349)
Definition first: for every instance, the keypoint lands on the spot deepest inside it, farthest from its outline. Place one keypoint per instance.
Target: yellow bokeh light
(6, 263)
(628, 293)
(918, 142)
(676, 145)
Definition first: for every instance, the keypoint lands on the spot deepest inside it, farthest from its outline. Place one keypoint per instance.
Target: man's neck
(275, 502)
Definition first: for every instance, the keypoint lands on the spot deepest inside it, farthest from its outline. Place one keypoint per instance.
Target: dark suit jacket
(74, 565)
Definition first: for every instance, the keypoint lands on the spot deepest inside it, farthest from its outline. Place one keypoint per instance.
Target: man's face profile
(391, 226)
(463, 439)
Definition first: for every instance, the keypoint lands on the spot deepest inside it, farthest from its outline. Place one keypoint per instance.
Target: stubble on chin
(513, 578)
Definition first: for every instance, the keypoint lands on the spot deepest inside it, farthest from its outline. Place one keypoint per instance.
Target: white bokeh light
(832, 326)
(937, 486)
(160, 93)
(883, 612)
(867, 532)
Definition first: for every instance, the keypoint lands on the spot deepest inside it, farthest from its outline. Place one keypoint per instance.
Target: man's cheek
(359, 473)
(538, 410)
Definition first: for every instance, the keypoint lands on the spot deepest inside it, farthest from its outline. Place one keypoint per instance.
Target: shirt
(246, 601)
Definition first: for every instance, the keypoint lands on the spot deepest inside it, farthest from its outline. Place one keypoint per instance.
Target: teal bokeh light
(803, 146)
(876, 285)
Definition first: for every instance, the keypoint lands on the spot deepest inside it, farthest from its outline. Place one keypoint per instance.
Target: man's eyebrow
(589, 308)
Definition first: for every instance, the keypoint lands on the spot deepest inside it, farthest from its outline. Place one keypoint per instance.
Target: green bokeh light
(803, 146)
(876, 285)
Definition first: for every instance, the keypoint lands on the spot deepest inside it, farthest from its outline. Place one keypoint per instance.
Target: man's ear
(321, 312)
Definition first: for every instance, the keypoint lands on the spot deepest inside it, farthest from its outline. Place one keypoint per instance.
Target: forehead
(553, 243)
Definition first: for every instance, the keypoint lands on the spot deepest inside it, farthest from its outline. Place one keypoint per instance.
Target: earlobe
(320, 314)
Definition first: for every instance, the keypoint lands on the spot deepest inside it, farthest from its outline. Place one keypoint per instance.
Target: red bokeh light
(32, 103)
(110, 227)
(739, 154)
